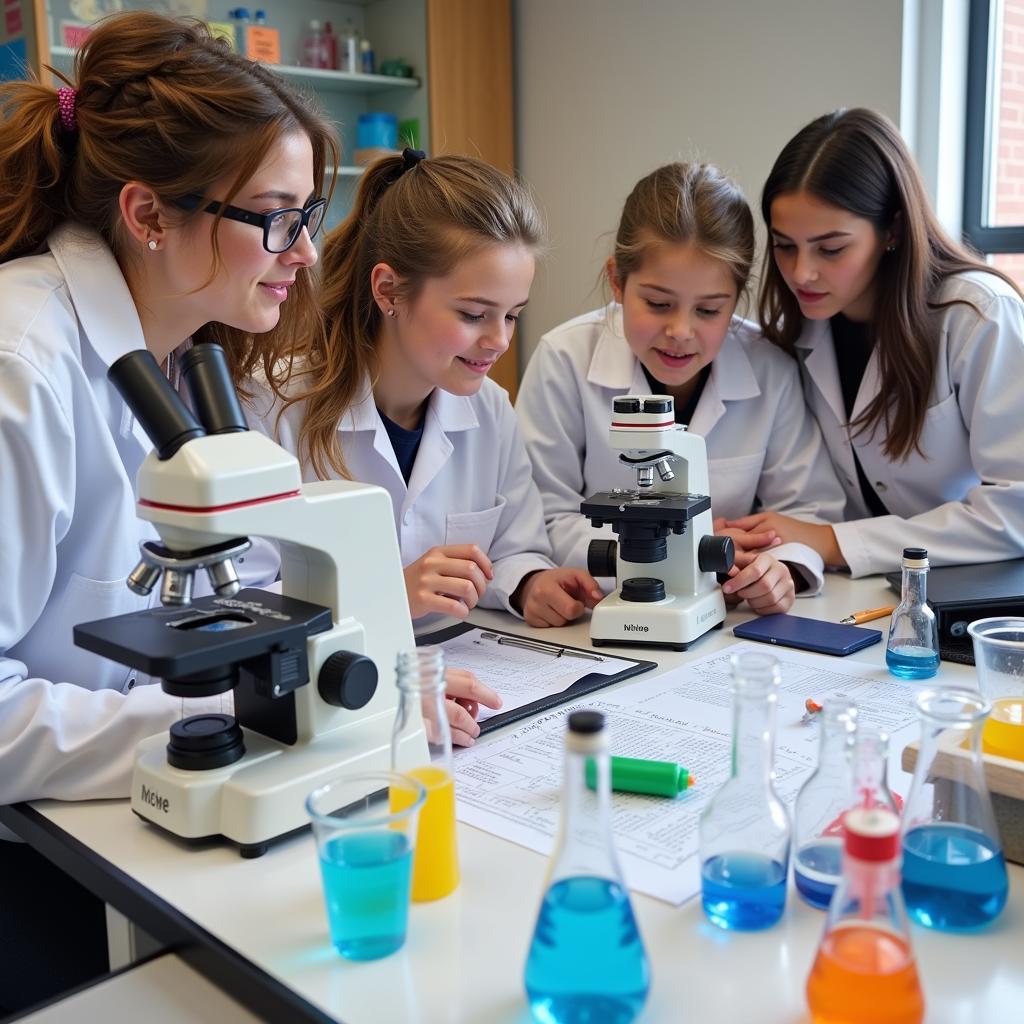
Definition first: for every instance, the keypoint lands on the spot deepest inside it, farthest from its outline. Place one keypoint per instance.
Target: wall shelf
(320, 80)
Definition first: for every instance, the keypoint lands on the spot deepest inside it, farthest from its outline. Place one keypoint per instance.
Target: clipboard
(586, 682)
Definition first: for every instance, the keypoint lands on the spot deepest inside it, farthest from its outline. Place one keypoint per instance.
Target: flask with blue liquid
(913, 648)
(954, 875)
(586, 960)
(744, 830)
(823, 799)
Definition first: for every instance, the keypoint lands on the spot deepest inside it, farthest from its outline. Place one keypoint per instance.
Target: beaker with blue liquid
(587, 961)
(912, 650)
(744, 830)
(954, 875)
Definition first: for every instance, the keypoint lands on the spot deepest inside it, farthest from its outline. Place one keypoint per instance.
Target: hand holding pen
(868, 616)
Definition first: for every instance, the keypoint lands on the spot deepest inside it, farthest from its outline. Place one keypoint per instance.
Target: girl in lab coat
(683, 253)
(423, 284)
(911, 352)
(107, 245)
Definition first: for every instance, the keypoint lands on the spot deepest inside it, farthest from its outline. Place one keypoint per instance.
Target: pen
(540, 647)
(637, 775)
(866, 616)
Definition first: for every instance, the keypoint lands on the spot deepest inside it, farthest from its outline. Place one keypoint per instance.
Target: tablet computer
(808, 634)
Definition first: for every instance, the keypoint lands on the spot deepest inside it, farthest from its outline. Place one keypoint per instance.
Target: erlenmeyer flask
(954, 876)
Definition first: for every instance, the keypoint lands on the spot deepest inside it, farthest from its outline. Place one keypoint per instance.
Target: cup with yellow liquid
(999, 658)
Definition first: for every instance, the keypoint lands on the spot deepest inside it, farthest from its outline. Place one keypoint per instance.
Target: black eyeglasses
(281, 228)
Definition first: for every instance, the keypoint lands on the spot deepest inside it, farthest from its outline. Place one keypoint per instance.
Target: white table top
(464, 957)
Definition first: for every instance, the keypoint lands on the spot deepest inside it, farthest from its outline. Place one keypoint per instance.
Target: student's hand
(746, 540)
(553, 597)
(465, 695)
(449, 579)
(819, 536)
(762, 581)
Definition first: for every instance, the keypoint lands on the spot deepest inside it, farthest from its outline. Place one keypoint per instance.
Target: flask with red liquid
(865, 971)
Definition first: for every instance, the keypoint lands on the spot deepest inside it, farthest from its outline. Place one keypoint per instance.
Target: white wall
(607, 90)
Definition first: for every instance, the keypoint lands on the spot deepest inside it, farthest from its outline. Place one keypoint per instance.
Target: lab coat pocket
(86, 600)
(474, 527)
(734, 484)
(945, 442)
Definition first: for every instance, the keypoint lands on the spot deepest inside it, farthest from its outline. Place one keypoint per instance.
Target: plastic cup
(999, 657)
(366, 853)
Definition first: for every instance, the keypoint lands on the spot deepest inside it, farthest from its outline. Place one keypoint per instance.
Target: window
(994, 163)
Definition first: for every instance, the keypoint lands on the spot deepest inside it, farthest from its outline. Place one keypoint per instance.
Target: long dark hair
(856, 160)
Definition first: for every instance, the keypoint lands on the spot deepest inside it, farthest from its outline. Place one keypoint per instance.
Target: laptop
(959, 594)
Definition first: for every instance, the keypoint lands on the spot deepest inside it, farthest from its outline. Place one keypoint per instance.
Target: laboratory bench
(257, 928)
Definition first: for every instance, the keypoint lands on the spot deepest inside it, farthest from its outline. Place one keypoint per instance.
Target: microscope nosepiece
(665, 470)
(176, 588)
(645, 476)
(223, 578)
(143, 578)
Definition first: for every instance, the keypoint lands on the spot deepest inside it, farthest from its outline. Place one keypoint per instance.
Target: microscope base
(260, 797)
(674, 622)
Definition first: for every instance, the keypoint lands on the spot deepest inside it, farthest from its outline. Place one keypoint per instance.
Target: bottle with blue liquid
(823, 799)
(586, 960)
(954, 875)
(913, 648)
(744, 830)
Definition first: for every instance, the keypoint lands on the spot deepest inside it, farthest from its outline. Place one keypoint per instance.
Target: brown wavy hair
(162, 101)
(687, 202)
(421, 220)
(857, 161)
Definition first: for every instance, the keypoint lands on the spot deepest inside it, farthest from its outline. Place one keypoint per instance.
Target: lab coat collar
(103, 304)
(815, 350)
(451, 412)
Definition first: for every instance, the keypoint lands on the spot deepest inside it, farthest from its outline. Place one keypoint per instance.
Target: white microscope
(312, 668)
(667, 555)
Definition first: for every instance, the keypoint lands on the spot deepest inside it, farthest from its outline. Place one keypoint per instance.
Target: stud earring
(890, 248)
(153, 245)
(391, 312)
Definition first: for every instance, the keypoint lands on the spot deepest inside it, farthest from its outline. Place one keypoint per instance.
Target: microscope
(667, 556)
(312, 668)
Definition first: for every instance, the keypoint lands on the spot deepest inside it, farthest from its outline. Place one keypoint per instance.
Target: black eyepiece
(204, 369)
(156, 405)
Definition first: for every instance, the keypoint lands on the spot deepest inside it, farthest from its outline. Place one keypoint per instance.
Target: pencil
(867, 616)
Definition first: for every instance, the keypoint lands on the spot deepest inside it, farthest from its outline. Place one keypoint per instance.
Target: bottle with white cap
(865, 966)
(913, 648)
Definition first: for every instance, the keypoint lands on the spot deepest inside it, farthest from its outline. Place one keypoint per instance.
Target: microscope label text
(630, 628)
(154, 799)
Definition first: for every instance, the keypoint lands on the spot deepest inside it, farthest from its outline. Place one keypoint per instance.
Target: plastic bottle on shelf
(331, 42)
(367, 59)
(314, 47)
(350, 47)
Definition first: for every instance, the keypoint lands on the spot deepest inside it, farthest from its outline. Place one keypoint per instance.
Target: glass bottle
(586, 960)
(744, 830)
(870, 769)
(865, 965)
(421, 706)
(954, 876)
(823, 799)
(912, 651)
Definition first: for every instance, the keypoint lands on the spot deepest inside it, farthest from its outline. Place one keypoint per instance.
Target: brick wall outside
(1009, 204)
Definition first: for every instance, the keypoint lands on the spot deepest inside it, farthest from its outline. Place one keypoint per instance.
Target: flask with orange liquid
(421, 704)
(865, 972)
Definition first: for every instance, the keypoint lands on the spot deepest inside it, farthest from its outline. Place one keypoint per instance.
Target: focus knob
(715, 554)
(347, 680)
(601, 558)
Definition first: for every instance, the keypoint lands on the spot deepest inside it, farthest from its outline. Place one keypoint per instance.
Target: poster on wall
(14, 37)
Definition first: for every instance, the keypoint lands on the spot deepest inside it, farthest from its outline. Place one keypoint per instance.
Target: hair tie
(411, 157)
(66, 106)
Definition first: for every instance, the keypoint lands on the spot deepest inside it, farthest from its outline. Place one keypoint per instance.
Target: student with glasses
(100, 255)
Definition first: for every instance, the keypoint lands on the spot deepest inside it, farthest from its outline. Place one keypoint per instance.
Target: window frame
(978, 141)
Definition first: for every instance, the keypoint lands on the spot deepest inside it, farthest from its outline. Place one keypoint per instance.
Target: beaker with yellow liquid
(999, 658)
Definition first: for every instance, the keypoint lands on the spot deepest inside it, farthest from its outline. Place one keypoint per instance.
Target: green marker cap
(636, 775)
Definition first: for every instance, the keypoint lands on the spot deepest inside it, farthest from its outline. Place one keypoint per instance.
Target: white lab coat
(470, 483)
(69, 452)
(963, 498)
(764, 450)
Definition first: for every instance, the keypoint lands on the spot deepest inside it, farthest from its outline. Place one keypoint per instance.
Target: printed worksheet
(523, 674)
(510, 784)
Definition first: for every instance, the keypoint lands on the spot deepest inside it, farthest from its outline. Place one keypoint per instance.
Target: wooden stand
(1005, 778)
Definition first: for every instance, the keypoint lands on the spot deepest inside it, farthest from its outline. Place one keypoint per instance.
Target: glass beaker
(366, 853)
(999, 658)
(421, 705)
(823, 799)
(912, 650)
(744, 830)
(586, 960)
(954, 876)
(864, 972)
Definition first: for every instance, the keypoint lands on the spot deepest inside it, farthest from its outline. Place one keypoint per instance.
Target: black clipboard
(587, 683)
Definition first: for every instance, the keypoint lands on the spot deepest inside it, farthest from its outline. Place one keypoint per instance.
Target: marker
(636, 775)
(868, 616)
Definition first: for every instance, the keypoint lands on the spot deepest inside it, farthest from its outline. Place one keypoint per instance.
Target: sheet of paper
(509, 784)
(519, 675)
